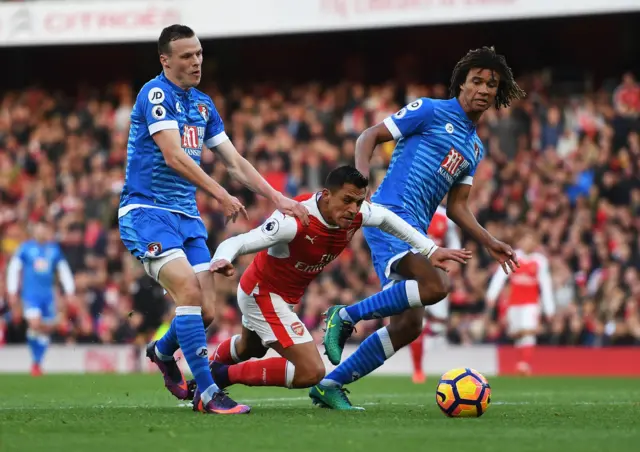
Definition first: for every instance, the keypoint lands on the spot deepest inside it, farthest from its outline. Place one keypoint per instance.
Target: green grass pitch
(118, 413)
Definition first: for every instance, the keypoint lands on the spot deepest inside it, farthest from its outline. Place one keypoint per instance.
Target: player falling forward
(171, 123)
(290, 256)
(437, 152)
(530, 284)
(38, 260)
(444, 232)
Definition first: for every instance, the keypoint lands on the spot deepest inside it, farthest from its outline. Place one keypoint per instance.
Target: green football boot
(336, 334)
(332, 397)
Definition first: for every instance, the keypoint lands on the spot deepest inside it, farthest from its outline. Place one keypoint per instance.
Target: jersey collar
(312, 205)
(455, 103)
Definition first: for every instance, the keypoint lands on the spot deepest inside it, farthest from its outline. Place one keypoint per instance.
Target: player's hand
(222, 266)
(293, 209)
(442, 255)
(504, 254)
(232, 207)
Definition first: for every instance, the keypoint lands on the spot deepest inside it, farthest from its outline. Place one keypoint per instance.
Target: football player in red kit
(289, 257)
(530, 285)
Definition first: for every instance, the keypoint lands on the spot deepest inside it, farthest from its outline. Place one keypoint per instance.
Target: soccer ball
(463, 392)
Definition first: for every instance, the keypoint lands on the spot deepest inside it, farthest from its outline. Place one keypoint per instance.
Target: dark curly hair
(487, 58)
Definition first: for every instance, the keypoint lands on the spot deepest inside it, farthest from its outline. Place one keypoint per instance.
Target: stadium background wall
(489, 360)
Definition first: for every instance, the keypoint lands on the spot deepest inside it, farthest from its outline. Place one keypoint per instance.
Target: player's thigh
(194, 235)
(523, 318)
(418, 267)
(385, 251)
(272, 319)
(40, 314)
(176, 275)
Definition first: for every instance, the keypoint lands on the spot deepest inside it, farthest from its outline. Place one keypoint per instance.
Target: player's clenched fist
(222, 266)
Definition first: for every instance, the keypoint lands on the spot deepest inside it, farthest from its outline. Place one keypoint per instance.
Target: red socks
(526, 353)
(262, 372)
(223, 353)
(417, 350)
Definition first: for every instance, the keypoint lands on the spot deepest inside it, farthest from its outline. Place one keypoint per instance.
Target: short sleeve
(412, 119)
(158, 106)
(214, 134)
(468, 177)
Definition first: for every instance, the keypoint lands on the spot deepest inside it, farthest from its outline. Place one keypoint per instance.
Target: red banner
(578, 361)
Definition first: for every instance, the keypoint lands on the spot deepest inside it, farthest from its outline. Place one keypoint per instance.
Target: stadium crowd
(566, 166)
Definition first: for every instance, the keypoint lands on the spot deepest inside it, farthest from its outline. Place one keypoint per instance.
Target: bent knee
(433, 290)
(308, 376)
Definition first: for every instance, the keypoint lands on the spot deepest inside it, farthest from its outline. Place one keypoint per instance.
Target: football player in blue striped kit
(437, 153)
(31, 273)
(171, 124)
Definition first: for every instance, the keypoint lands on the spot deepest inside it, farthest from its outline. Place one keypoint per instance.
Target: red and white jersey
(443, 230)
(529, 284)
(292, 255)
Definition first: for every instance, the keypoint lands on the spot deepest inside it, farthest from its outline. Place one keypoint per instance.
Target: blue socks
(189, 331)
(38, 344)
(371, 354)
(168, 344)
(394, 300)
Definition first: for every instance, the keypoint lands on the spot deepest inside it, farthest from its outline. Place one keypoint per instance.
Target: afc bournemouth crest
(154, 249)
(204, 111)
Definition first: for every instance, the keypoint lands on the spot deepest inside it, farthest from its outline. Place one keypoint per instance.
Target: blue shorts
(386, 250)
(43, 308)
(148, 233)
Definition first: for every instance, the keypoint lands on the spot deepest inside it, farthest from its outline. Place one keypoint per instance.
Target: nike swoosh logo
(330, 323)
(320, 391)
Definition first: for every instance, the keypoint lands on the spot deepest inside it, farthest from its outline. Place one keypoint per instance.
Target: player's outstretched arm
(378, 216)
(243, 171)
(169, 143)
(277, 229)
(366, 144)
(458, 210)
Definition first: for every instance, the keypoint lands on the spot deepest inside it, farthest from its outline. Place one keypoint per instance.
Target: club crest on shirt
(204, 111)
(297, 328)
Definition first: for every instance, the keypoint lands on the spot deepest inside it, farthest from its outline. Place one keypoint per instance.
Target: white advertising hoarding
(78, 22)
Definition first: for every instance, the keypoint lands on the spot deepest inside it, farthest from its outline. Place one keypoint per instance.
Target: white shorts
(272, 319)
(440, 310)
(523, 318)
